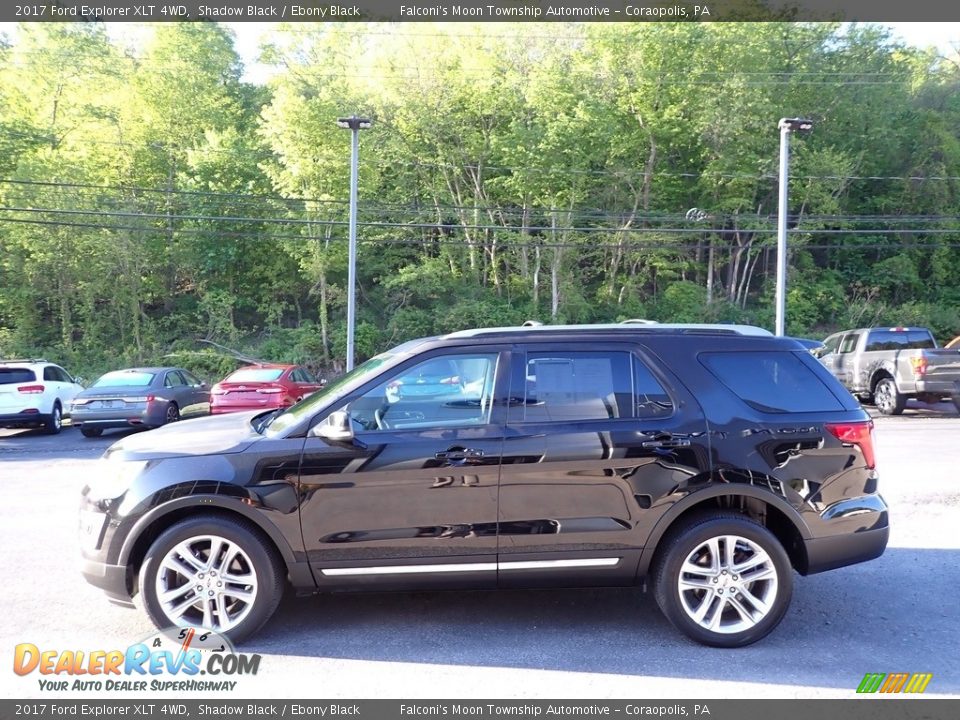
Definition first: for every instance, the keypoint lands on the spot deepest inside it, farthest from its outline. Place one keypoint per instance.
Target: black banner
(476, 10)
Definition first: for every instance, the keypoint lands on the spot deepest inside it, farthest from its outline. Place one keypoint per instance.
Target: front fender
(197, 504)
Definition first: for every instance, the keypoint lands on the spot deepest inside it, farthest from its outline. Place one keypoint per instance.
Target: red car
(262, 387)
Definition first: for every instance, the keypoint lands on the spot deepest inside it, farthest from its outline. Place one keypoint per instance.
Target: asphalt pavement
(896, 614)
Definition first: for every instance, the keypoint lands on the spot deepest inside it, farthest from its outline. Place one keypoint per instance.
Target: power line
(545, 229)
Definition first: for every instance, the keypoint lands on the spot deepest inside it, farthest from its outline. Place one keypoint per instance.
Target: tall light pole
(355, 125)
(787, 126)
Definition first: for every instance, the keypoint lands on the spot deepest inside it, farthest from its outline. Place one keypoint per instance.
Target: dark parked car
(138, 398)
(262, 387)
(707, 463)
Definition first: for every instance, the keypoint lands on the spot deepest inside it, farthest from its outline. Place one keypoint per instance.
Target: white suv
(35, 393)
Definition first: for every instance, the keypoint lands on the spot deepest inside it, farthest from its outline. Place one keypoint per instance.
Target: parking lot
(897, 614)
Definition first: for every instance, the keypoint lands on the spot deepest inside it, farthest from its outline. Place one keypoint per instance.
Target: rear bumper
(118, 418)
(231, 408)
(938, 387)
(864, 529)
(22, 420)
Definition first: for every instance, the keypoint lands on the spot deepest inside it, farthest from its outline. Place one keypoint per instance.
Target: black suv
(705, 462)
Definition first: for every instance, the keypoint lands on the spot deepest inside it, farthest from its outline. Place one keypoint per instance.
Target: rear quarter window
(773, 381)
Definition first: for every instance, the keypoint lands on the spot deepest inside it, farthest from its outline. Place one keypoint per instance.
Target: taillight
(270, 391)
(919, 365)
(30, 389)
(142, 398)
(217, 390)
(856, 433)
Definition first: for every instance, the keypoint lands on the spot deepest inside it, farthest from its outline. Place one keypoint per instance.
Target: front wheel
(723, 580)
(90, 432)
(889, 400)
(214, 573)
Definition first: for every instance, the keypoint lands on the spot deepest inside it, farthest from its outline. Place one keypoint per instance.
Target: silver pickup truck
(887, 366)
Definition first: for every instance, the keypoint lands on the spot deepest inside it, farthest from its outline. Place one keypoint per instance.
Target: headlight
(112, 477)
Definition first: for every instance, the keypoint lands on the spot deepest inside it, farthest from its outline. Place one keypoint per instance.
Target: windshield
(123, 378)
(255, 375)
(333, 390)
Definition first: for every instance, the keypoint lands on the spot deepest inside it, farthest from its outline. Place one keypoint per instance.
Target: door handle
(458, 454)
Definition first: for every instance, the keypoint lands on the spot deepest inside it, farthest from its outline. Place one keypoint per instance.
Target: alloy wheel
(728, 584)
(206, 581)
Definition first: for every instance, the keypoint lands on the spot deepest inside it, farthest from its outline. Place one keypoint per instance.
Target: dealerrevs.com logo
(172, 660)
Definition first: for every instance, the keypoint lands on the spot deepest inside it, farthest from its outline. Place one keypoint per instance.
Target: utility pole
(787, 126)
(355, 125)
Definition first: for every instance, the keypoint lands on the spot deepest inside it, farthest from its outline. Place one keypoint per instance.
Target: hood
(212, 435)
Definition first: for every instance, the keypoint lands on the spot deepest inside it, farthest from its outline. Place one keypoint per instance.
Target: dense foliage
(150, 197)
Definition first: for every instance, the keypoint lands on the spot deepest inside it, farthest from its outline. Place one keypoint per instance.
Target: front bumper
(112, 579)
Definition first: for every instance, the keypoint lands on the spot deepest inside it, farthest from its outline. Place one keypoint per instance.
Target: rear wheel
(54, 423)
(211, 572)
(723, 580)
(90, 432)
(956, 402)
(173, 413)
(889, 400)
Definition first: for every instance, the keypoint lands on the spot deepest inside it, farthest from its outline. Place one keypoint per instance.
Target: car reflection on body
(436, 380)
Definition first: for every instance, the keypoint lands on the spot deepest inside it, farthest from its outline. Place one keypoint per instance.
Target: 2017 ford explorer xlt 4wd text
(706, 463)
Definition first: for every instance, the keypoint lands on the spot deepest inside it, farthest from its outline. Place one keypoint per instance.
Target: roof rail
(646, 328)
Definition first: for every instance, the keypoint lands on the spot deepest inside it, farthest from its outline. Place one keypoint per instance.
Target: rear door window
(772, 381)
(173, 379)
(849, 343)
(560, 386)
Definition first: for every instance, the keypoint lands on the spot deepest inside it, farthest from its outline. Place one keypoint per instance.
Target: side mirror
(202, 385)
(336, 428)
(79, 380)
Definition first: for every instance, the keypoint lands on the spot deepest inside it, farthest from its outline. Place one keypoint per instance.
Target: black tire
(259, 563)
(956, 402)
(888, 399)
(775, 586)
(89, 432)
(173, 414)
(54, 423)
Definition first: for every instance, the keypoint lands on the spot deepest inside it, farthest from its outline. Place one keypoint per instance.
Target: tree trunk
(555, 269)
(711, 257)
(536, 279)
